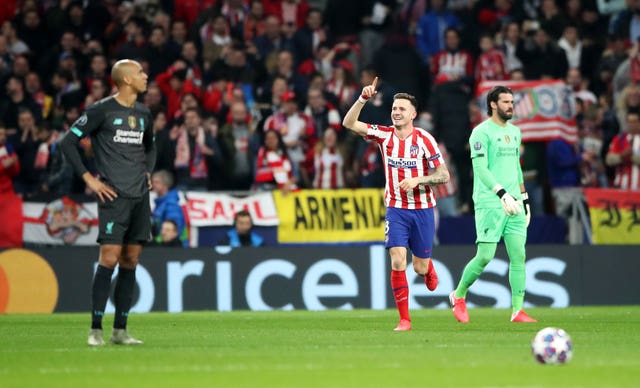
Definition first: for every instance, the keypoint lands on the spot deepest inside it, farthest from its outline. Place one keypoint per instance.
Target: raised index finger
(374, 83)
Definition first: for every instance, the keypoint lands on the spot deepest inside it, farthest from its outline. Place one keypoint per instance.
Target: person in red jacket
(174, 83)
(10, 203)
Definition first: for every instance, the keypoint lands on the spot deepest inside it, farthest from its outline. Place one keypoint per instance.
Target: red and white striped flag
(544, 110)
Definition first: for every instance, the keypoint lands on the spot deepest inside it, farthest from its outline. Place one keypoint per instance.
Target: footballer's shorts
(494, 223)
(410, 228)
(124, 221)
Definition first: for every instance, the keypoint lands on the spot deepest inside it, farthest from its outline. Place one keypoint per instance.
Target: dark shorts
(410, 228)
(124, 221)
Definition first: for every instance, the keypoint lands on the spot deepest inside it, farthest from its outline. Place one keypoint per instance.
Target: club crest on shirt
(507, 139)
(132, 122)
(413, 150)
(477, 146)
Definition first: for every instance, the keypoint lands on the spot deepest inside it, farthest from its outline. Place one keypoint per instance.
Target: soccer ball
(552, 346)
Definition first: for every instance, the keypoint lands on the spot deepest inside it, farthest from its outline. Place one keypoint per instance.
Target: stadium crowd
(250, 95)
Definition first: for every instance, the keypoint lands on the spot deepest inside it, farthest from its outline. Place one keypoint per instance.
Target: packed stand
(250, 95)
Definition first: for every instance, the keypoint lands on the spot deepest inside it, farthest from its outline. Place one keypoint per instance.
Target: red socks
(400, 292)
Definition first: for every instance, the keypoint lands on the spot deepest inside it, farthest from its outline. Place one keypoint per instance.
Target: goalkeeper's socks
(99, 295)
(400, 292)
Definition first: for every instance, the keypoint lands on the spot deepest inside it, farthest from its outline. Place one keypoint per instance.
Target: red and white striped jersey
(453, 64)
(329, 169)
(408, 158)
(628, 173)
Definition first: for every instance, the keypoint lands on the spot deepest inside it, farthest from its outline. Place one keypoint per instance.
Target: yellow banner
(331, 216)
(615, 216)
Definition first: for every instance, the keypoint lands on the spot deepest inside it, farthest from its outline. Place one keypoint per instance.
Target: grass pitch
(322, 349)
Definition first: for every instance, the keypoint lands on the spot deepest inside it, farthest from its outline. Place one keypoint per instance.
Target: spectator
(551, 19)
(31, 31)
(236, 141)
(254, 23)
(99, 90)
(310, 36)
(563, 166)
(432, 27)
(322, 113)
(136, 45)
(168, 236)
(179, 32)
(59, 179)
(326, 163)
(288, 11)
(189, 10)
(273, 166)
(242, 234)
(342, 84)
(14, 43)
(624, 155)
(511, 41)
(165, 150)
(451, 63)
(400, 65)
(375, 23)
(579, 87)
(629, 101)
(368, 166)
(285, 68)
(153, 98)
(162, 51)
(215, 39)
(294, 127)
(174, 84)
(9, 164)
(235, 11)
(33, 86)
(449, 108)
(167, 206)
(33, 151)
(541, 57)
(490, 65)
(344, 19)
(68, 89)
(10, 204)
(446, 194)
(196, 151)
(17, 100)
(98, 69)
(6, 58)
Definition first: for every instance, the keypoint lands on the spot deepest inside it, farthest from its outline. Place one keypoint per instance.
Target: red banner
(543, 110)
(615, 215)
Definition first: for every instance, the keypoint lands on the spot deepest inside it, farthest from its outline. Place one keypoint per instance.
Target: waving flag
(544, 110)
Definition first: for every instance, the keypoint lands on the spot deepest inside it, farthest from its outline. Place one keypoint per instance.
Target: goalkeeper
(500, 201)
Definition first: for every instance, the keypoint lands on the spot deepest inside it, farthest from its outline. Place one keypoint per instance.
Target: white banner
(211, 209)
(60, 222)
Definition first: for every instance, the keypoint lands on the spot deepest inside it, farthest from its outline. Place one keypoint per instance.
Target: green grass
(322, 349)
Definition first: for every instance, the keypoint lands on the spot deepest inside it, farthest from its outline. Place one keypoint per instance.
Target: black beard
(504, 116)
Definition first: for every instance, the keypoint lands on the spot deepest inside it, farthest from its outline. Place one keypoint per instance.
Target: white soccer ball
(552, 346)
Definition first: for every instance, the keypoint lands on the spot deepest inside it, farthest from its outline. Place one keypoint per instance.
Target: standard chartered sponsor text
(130, 137)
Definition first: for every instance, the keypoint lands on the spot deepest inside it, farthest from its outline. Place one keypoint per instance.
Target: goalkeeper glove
(509, 204)
(527, 207)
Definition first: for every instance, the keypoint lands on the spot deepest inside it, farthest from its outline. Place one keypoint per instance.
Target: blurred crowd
(250, 95)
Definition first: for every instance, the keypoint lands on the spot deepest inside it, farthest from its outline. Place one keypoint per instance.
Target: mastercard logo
(27, 283)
